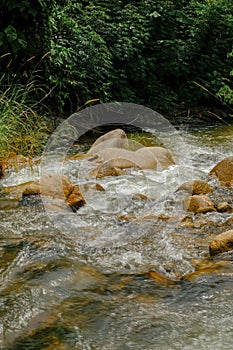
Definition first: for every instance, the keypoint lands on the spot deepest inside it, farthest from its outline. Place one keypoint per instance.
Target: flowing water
(82, 280)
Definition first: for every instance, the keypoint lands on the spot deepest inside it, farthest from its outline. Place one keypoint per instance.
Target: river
(84, 280)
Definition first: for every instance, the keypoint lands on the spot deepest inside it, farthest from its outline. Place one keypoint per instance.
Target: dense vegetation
(164, 54)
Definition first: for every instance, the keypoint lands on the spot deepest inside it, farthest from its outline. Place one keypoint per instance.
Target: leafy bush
(143, 51)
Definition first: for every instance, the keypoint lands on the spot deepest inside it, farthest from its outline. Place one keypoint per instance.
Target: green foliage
(141, 51)
(226, 91)
(22, 130)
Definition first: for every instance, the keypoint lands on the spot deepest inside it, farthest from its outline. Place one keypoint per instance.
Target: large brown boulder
(56, 186)
(111, 147)
(60, 187)
(122, 158)
(115, 138)
(162, 156)
(196, 187)
(106, 169)
(198, 204)
(222, 243)
(224, 171)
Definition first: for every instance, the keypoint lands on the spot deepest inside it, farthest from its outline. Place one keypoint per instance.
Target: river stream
(82, 280)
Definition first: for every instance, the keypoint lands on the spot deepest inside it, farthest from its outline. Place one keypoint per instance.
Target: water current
(84, 280)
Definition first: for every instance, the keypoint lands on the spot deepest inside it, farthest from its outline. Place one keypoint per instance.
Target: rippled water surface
(85, 280)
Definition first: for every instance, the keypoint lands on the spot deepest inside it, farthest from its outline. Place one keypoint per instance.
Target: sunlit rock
(122, 158)
(55, 186)
(75, 199)
(115, 138)
(106, 169)
(196, 187)
(163, 156)
(198, 204)
(16, 192)
(224, 171)
(222, 243)
(111, 148)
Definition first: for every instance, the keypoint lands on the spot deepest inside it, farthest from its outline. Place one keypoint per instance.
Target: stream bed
(111, 276)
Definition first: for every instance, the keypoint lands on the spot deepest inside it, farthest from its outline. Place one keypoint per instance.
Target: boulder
(221, 243)
(115, 138)
(16, 192)
(60, 187)
(224, 171)
(163, 157)
(75, 199)
(106, 169)
(196, 187)
(51, 185)
(122, 158)
(198, 204)
(56, 186)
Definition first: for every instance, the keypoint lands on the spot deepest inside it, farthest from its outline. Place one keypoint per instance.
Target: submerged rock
(198, 204)
(222, 243)
(205, 268)
(224, 171)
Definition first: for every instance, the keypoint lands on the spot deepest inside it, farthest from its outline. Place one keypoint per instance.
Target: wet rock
(32, 188)
(224, 171)
(75, 200)
(106, 169)
(16, 192)
(222, 243)
(229, 221)
(115, 138)
(161, 279)
(60, 187)
(141, 196)
(224, 207)
(119, 282)
(54, 186)
(196, 187)
(126, 217)
(206, 268)
(198, 204)
(88, 278)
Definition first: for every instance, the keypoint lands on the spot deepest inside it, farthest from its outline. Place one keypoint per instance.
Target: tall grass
(22, 129)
